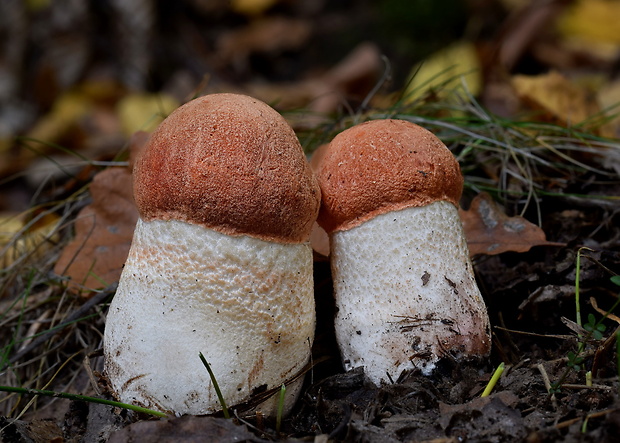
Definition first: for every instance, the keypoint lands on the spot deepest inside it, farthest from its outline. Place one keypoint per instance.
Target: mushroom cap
(231, 163)
(381, 166)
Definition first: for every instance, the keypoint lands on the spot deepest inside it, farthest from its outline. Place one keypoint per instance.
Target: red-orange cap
(231, 163)
(382, 166)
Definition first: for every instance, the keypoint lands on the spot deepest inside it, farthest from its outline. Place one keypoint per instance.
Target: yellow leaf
(65, 113)
(20, 239)
(565, 101)
(595, 20)
(446, 71)
(251, 7)
(609, 98)
(143, 112)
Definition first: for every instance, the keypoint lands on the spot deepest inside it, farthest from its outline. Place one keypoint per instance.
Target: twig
(567, 423)
(547, 382)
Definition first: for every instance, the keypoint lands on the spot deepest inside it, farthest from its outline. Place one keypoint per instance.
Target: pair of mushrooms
(220, 262)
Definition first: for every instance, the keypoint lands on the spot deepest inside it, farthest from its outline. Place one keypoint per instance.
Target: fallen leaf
(266, 35)
(319, 240)
(20, 237)
(446, 72)
(103, 233)
(251, 7)
(36, 431)
(143, 112)
(351, 79)
(496, 417)
(103, 229)
(563, 100)
(490, 231)
(593, 20)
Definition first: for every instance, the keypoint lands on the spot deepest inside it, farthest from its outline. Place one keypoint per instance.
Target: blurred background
(77, 77)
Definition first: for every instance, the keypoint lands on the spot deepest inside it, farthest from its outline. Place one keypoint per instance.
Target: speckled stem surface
(406, 293)
(245, 303)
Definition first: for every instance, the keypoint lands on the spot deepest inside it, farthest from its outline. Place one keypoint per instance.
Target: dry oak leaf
(103, 233)
(490, 231)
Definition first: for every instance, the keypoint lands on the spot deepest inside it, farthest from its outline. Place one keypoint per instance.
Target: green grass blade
(81, 398)
(494, 379)
(220, 397)
(280, 411)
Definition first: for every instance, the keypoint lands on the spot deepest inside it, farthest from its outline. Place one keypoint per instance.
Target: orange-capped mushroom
(220, 261)
(404, 285)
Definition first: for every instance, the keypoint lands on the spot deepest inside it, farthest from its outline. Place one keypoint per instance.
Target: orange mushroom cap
(381, 166)
(230, 163)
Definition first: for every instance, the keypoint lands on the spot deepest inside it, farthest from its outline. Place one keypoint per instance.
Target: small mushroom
(404, 285)
(220, 261)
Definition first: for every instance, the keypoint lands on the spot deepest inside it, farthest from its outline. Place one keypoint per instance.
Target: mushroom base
(245, 303)
(405, 293)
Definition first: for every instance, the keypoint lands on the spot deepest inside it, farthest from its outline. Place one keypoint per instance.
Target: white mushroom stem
(405, 292)
(245, 303)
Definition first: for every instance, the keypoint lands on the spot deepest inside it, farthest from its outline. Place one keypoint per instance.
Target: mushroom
(405, 291)
(219, 263)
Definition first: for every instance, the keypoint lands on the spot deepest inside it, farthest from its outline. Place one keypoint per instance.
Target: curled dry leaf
(490, 231)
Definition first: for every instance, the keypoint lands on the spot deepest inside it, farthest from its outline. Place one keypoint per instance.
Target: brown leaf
(351, 79)
(269, 34)
(103, 233)
(490, 231)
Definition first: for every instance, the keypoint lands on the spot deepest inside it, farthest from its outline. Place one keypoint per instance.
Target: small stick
(547, 382)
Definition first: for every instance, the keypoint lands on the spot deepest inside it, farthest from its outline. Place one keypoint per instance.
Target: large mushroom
(219, 264)
(404, 285)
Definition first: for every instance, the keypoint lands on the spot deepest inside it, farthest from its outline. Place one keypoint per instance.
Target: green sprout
(595, 328)
(494, 379)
